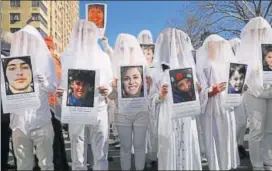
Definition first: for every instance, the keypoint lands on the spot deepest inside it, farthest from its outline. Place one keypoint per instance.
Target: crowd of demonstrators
(154, 136)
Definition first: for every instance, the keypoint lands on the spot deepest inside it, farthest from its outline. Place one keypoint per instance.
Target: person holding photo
(258, 97)
(18, 74)
(178, 146)
(268, 59)
(32, 127)
(80, 95)
(132, 127)
(84, 52)
(236, 79)
(132, 82)
(218, 121)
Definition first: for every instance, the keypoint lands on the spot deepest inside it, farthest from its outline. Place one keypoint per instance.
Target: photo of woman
(237, 75)
(81, 84)
(18, 75)
(96, 14)
(267, 57)
(182, 83)
(132, 81)
(148, 51)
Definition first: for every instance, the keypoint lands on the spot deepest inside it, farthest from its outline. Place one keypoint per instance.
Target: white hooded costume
(258, 98)
(127, 51)
(178, 147)
(33, 127)
(84, 52)
(240, 111)
(217, 120)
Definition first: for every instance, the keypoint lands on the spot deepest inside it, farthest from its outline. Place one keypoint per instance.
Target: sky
(134, 16)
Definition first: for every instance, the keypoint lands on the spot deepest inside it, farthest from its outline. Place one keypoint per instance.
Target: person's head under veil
(146, 42)
(256, 32)
(173, 50)
(235, 44)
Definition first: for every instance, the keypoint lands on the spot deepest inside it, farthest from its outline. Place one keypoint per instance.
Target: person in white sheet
(127, 51)
(240, 112)
(111, 105)
(84, 52)
(218, 121)
(178, 146)
(33, 127)
(258, 98)
(146, 42)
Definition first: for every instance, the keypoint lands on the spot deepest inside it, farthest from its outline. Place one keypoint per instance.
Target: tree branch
(268, 9)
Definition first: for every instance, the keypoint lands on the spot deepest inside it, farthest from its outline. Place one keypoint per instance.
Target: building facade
(51, 18)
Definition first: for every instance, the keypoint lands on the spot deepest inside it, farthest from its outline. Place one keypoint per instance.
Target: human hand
(103, 90)
(163, 91)
(148, 81)
(59, 92)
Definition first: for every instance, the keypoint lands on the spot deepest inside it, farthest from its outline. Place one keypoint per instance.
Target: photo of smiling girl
(237, 76)
(267, 57)
(81, 88)
(132, 81)
(18, 75)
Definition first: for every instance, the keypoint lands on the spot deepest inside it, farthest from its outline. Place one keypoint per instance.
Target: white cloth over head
(256, 32)
(235, 44)
(145, 37)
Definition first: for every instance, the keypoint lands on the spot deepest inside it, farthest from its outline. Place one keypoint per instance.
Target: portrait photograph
(96, 14)
(237, 76)
(148, 50)
(18, 75)
(132, 81)
(81, 87)
(182, 83)
(267, 57)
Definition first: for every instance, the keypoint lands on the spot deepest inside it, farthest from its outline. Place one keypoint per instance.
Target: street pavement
(115, 154)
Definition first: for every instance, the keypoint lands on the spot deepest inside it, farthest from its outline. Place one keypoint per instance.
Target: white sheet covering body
(127, 51)
(28, 126)
(217, 120)
(178, 146)
(258, 98)
(84, 52)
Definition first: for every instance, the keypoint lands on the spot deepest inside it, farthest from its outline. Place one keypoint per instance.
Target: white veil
(235, 44)
(145, 37)
(127, 51)
(28, 41)
(84, 52)
(256, 32)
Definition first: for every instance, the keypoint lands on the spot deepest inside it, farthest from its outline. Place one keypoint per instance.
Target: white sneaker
(267, 167)
(203, 160)
(113, 141)
(117, 146)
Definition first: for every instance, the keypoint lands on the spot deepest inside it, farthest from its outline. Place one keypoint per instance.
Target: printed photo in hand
(182, 83)
(237, 75)
(18, 75)
(148, 50)
(267, 57)
(132, 82)
(96, 14)
(81, 86)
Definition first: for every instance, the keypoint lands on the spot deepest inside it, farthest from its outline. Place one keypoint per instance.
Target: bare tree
(226, 18)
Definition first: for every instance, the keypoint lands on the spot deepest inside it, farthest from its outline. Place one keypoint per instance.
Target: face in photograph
(80, 89)
(96, 15)
(237, 78)
(185, 85)
(132, 82)
(149, 53)
(268, 59)
(19, 76)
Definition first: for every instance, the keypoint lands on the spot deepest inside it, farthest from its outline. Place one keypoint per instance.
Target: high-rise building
(54, 18)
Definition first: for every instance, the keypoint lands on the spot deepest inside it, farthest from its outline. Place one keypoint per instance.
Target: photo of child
(237, 75)
(267, 57)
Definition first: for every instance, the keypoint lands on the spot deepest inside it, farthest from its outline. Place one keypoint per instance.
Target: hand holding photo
(237, 75)
(267, 57)
(18, 75)
(132, 81)
(182, 83)
(81, 87)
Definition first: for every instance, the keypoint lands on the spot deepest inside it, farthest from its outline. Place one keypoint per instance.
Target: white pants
(241, 122)
(260, 141)
(23, 145)
(98, 138)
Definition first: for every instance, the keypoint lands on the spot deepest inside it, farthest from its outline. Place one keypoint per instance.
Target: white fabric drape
(145, 37)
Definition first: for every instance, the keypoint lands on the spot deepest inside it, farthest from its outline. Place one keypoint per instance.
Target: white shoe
(258, 168)
(113, 141)
(203, 160)
(267, 167)
(117, 146)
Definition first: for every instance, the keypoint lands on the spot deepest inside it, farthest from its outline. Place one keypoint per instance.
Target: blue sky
(134, 16)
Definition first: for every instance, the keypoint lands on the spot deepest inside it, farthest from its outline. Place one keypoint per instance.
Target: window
(39, 17)
(38, 3)
(12, 30)
(15, 3)
(14, 17)
(44, 35)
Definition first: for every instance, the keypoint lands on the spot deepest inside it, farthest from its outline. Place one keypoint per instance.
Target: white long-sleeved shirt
(36, 118)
